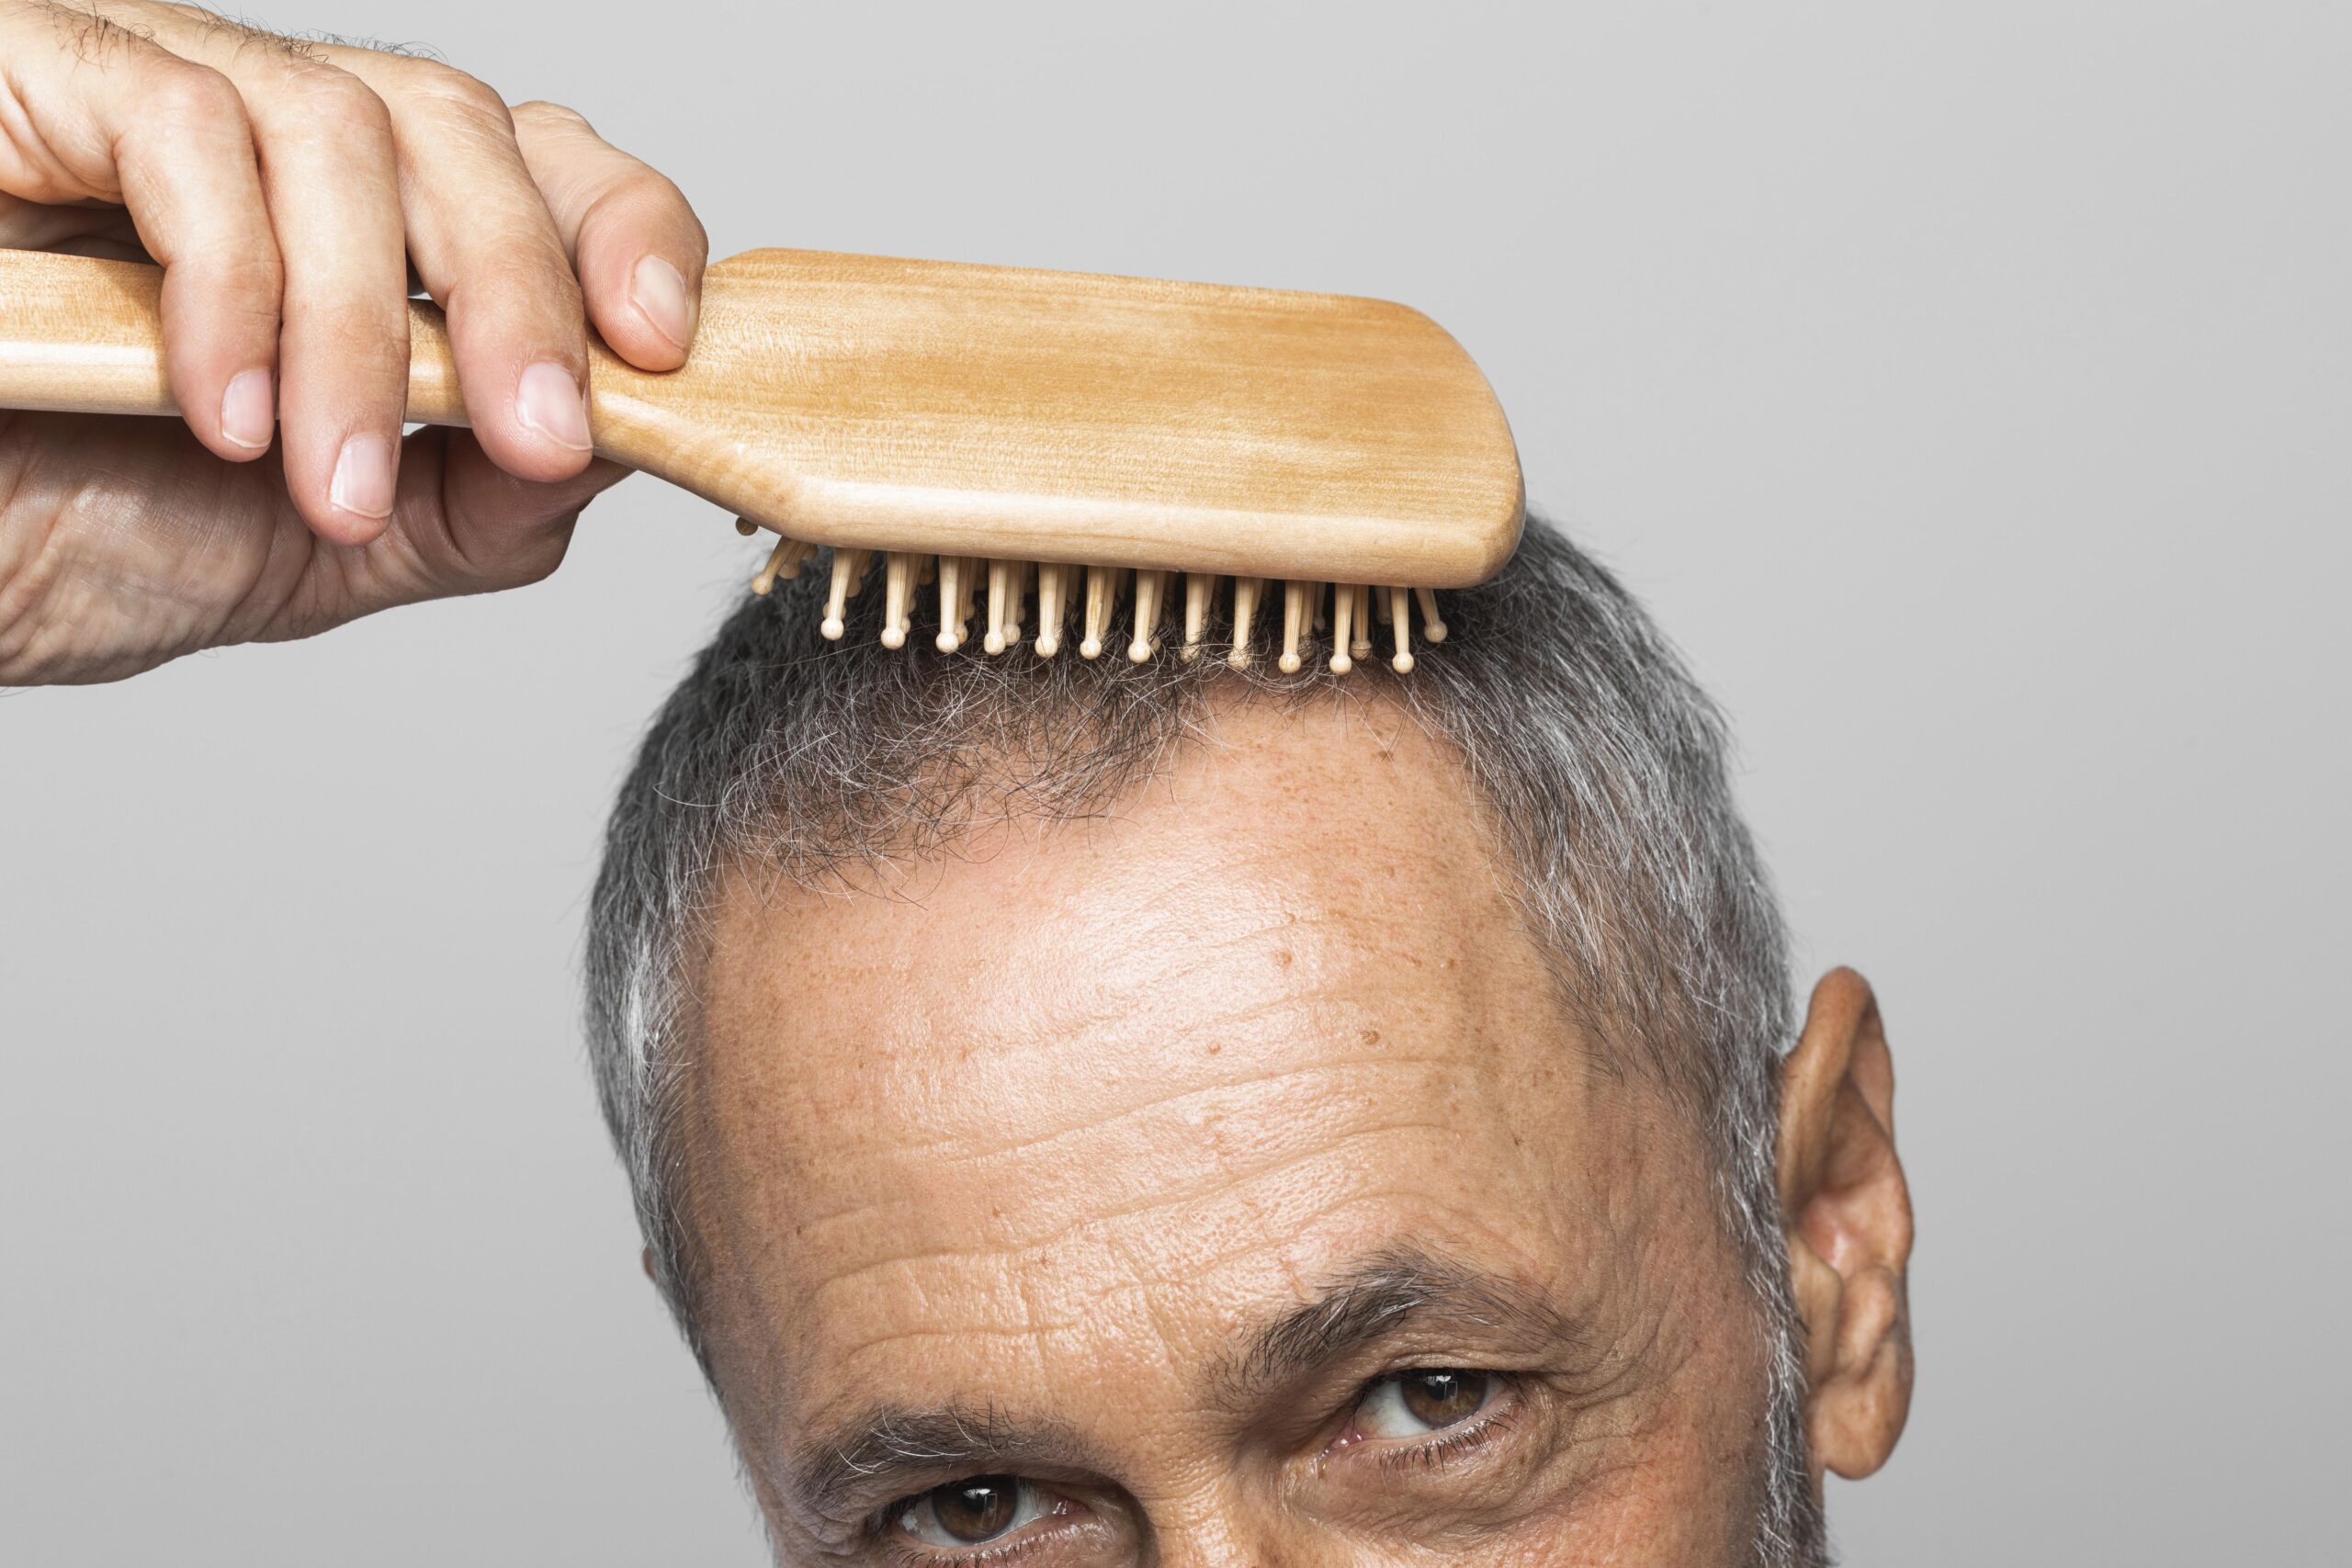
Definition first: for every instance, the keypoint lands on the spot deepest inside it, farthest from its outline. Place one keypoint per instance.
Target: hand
(288, 189)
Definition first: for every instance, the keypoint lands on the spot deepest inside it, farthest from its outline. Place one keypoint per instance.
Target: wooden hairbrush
(1004, 433)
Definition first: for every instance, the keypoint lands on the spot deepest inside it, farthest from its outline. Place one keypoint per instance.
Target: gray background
(1968, 388)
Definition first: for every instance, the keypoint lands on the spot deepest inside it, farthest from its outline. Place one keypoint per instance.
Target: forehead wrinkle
(1397, 1224)
(1253, 1032)
(1383, 920)
(1206, 1191)
(1119, 1015)
(1245, 1107)
(957, 1149)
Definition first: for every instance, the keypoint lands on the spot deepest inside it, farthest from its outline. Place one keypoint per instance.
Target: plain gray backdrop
(1969, 389)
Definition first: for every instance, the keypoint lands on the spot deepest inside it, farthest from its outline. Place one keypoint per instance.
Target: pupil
(976, 1509)
(1440, 1399)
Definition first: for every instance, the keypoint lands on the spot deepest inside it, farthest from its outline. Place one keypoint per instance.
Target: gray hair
(1603, 764)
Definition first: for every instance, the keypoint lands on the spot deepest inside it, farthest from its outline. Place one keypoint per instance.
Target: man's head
(1135, 1114)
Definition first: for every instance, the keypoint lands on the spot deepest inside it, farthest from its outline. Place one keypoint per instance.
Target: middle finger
(325, 147)
(323, 141)
(477, 229)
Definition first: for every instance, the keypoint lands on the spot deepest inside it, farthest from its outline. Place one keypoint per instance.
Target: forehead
(1078, 1099)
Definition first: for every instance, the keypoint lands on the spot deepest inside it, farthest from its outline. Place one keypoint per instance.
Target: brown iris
(980, 1508)
(1441, 1398)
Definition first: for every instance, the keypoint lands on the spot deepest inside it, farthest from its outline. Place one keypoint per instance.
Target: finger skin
(119, 575)
(101, 114)
(486, 249)
(483, 529)
(636, 245)
(477, 230)
(464, 526)
(326, 141)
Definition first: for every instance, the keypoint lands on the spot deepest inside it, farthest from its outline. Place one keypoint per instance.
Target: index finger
(168, 139)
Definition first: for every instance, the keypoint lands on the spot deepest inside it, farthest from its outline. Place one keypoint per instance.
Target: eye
(1415, 1404)
(975, 1510)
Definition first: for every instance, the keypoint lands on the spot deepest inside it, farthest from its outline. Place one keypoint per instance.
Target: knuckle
(441, 88)
(540, 114)
(334, 99)
(183, 93)
(634, 199)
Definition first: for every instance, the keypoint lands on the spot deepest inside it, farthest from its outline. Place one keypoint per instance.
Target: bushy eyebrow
(882, 1452)
(886, 1451)
(1379, 1297)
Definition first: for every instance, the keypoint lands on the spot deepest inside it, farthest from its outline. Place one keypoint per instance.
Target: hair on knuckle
(91, 35)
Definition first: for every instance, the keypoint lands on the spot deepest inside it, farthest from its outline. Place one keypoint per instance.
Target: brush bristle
(994, 594)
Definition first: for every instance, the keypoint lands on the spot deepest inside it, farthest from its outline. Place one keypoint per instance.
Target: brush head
(935, 409)
(1108, 600)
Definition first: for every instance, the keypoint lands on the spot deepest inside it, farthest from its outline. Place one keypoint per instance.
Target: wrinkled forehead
(1091, 1090)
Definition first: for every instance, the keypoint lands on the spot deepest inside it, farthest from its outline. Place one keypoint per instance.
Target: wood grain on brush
(984, 411)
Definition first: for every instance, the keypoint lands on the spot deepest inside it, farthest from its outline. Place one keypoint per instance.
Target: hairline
(1578, 723)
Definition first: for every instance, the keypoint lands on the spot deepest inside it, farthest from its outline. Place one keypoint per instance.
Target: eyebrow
(885, 1453)
(1378, 1298)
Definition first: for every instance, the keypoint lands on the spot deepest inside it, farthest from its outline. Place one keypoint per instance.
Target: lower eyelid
(1460, 1444)
(1062, 1513)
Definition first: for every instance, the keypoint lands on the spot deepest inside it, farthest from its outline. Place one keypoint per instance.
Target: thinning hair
(1601, 762)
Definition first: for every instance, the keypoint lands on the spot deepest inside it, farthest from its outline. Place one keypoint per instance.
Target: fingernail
(248, 412)
(659, 292)
(364, 476)
(547, 400)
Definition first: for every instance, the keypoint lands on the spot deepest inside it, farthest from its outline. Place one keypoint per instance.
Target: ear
(1849, 1216)
(645, 1261)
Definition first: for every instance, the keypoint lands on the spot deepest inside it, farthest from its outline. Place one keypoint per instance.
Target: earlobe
(1847, 1211)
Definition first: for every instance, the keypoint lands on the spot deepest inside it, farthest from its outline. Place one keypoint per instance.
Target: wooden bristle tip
(898, 569)
(1149, 586)
(1294, 622)
(1102, 589)
(1432, 629)
(1023, 574)
(1000, 589)
(836, 597)
(986, 600)
(968, 593)
(1245, 611)
(783, 562)
(1199, 586)
(951, 604)
(1050, 608)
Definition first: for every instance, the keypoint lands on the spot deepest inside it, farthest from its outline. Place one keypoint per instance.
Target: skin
(1137, 1157)
(1141, 1160)
(290, 191)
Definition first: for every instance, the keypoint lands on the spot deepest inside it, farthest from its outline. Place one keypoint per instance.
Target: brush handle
(80, 335)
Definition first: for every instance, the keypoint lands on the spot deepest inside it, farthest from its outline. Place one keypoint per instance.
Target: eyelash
(1448, 1448)
(986, 1557)
(979, 1557)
